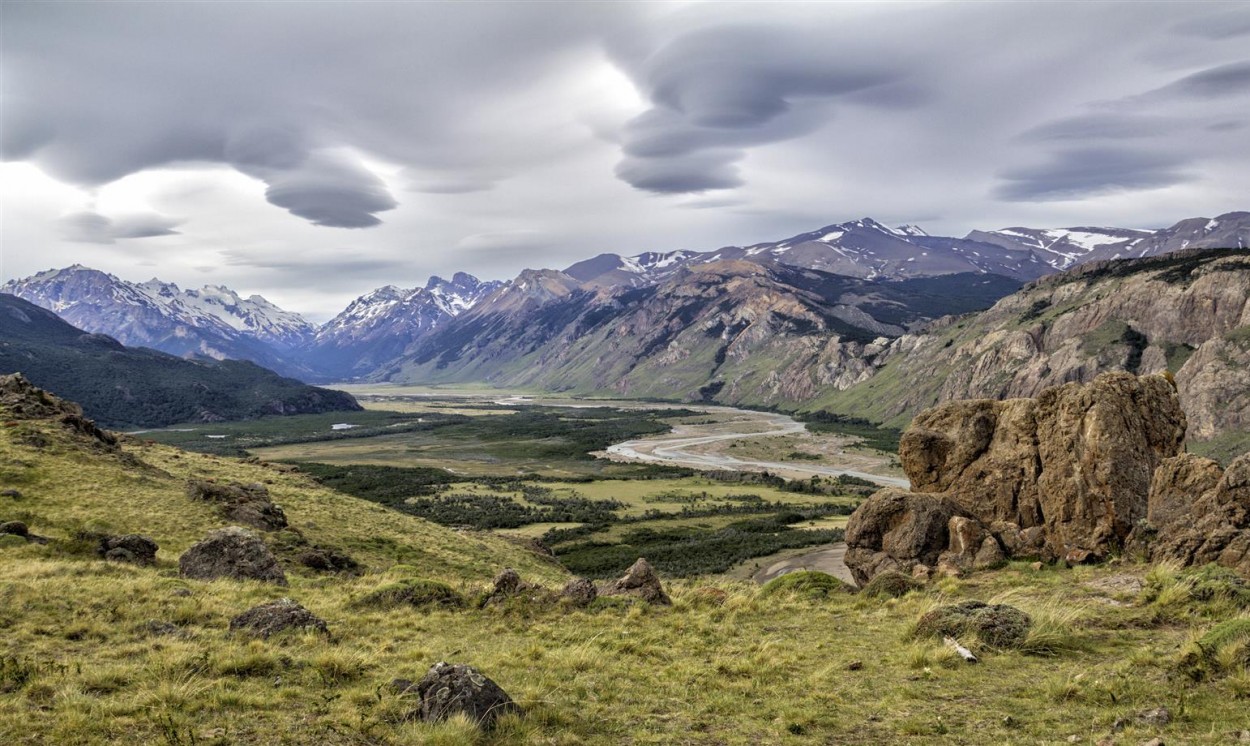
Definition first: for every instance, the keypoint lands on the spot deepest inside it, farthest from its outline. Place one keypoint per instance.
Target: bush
(997, 625)
(891, 584)
(414, 593)
(1224, 649)
(808, 583)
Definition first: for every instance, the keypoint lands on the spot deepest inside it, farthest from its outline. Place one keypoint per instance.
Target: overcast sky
(312, 151)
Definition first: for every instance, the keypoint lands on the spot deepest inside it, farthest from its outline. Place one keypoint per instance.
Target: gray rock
(133, 548)
(641, 581)
(448, 689)
(277, 616)
(248, 504)
(231, 552)
(579, 591)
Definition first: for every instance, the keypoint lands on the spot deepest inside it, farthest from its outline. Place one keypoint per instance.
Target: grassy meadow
(94, 652)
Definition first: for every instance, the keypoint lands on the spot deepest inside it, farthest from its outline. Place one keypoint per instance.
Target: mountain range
(125, 387)
(782, 324)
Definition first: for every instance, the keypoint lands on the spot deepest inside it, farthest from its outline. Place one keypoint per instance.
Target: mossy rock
(891, 584)
(809, 583)
(996, 625)
(11, 541)
(414, 593)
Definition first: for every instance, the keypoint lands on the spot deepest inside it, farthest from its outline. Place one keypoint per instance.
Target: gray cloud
(331, 192)
(711, 99)
(92, 227)
(1225, 80)
(1080, 172)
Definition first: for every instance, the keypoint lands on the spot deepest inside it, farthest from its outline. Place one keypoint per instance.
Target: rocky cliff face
(1078, 472)
(1187, 313)
(1065, 475)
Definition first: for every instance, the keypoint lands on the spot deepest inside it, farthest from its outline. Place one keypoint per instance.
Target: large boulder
(450, 689)
(231, 552)
(641, 581)
(898, 530)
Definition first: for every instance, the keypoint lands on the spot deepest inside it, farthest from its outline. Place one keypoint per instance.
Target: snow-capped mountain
(381, 324)
(212, 321)
(1062, 248)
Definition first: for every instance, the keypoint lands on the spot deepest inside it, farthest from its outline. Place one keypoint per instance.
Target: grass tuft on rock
(414, 593)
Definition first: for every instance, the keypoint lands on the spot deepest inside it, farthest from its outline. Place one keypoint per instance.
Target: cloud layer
(491, 136)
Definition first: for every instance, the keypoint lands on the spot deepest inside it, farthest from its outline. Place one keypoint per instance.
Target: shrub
(808, 583)
(414, 593)
(996, 625)
(891, 584)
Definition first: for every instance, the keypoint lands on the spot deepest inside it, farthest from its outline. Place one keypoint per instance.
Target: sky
(313, 151)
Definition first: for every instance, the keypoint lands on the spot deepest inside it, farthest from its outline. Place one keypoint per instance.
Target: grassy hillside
(86, 656)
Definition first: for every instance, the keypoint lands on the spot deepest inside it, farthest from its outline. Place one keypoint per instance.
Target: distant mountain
(733, 330)
(1063, 248)
(868, 249)
(378, 327)
(212, 321)
(127, 387)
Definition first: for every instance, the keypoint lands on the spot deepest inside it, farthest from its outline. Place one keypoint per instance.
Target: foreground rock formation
(1069, 475)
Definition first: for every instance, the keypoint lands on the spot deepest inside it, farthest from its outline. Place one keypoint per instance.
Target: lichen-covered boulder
(231, 552)
(449, 689)
(1216, 527)
(246, 504)
(996, 625)
(133, 548)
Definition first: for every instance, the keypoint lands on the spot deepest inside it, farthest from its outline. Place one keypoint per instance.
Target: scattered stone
(1156, 718)
(325, 559)
(181, 592)
(133, 548)
(21, 531)
(579, 592)
(508, 584)
(996, 625)
(449, 689)
(921, 573)
(16, 495)
(15, 528)
(641, 581)
(277, 616)
(989, 556)
(891, 584)
(1036, 566)
(231, 552)
(855, 666)
(157, 628)
(1154, 742)
(248, 504)
(1124, 584)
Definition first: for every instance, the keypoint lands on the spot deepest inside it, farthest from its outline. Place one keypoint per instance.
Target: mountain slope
(213, 321)
(122, 386)
(1187, 313)
(381, 325)
(735, 331)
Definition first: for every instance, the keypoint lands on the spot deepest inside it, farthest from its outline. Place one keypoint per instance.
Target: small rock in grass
(641, 581)
(11, 493)
(579, 591)
(132, 548)
(277, 616)
(855, 666)
(891, 584)
(449, 689)
(158, 628)
(15, 528)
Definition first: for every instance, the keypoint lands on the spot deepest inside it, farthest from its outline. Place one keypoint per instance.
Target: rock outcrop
(133, 548)
(1198, 514)
(247, 504)
(640, 581)
(1064, 476)
(22, 400)
(231, 552)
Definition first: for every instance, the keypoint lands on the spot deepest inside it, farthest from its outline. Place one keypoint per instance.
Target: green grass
(726, 664)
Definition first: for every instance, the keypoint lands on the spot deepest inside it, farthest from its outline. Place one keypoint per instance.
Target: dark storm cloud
(1084, 171)
(92, 227)
(716, 92)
